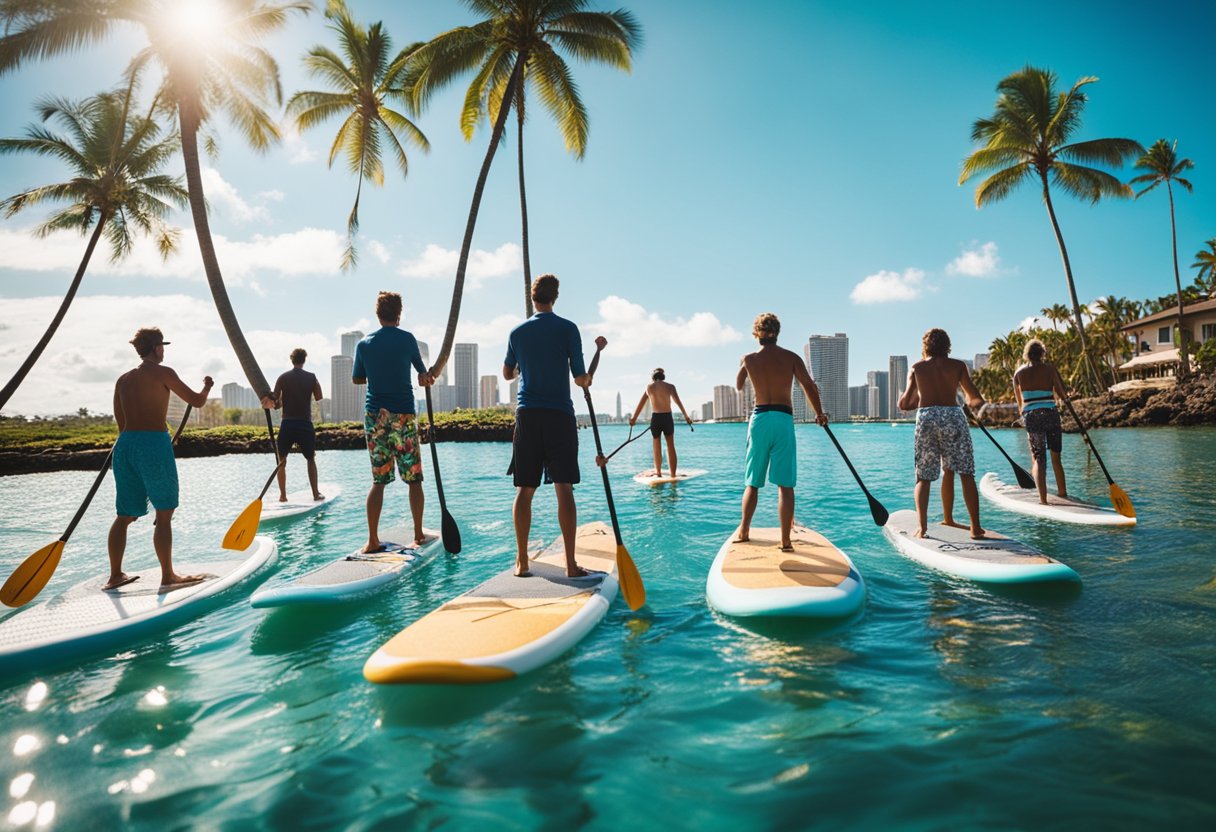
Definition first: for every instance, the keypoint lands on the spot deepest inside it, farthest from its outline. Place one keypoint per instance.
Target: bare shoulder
(920, 365)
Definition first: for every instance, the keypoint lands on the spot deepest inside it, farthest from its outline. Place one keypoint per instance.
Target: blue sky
(797, 157)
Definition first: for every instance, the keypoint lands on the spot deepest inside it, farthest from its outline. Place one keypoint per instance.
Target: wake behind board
(651, 478)
(1064, 509)
(354, 575)
(756, 578)
(299, 502)
(995, 559)
(505, 626)
(85, 619)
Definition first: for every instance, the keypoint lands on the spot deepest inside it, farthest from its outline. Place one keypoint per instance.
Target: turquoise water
(943, 705)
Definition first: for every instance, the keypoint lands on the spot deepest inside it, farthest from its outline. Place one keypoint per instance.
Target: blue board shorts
(771, 449)
(144, 470)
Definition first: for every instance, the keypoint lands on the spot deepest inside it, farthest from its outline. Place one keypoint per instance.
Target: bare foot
(318, 496)
(522, 571)
(954, 524)
(122, 580)
(179, 581)
(742, 536)
(372, 547)
(978, 534)
(420, 541)
(921, 533)
(282, 498)
(576, 572)
(787, 547)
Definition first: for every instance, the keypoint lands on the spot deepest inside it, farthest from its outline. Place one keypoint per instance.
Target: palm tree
(209, 53)
(1205, 262)
(1163, 165)
(363, 82)
(1026, 138)
(116, 189)
(1055, 313)
(531, 32)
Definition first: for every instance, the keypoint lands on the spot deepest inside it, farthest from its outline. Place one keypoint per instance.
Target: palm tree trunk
(1185, 367)
(211, 265)
(1072, 290)
(458, 288)
(32, 358)
(523, 203)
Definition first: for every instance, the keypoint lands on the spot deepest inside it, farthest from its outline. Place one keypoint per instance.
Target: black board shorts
(297, 432)
(545, 445)
(662, 424)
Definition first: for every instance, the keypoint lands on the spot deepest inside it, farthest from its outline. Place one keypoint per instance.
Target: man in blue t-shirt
(545, 351)
(382, 362)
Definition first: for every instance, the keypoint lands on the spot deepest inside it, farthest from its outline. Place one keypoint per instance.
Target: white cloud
(301, 153)
(439, 262)
(272, 195)
(225, 195)
(631, 330)
(885, 287)
(976, 262)
(379, 251)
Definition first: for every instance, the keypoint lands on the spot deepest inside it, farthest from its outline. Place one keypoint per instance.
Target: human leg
(971, 496)
(948, 499)
(658, 456)
(921, 495)
(567, 520)
(1058, 467)
(417, 504)
(375, 502)
(116, 544)
(750, 495)
(521, 515)
(312, 479)
(162, 542)
(282, 477)
(671, 452)
(785, 513)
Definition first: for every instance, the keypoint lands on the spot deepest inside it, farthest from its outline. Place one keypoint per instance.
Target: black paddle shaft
(876, 508)
(599, 449)
(1019, 473)
(447, 524)
(270, 429)
(1088, 441)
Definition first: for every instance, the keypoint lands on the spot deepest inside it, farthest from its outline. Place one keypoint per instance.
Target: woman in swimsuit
(1037, 384)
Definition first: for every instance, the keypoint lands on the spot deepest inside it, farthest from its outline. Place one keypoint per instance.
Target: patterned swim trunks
(942, 441)
(1044, 431)
(393, 436)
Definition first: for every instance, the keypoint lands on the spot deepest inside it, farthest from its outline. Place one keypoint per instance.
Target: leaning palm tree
(211, 59)
(538, 30)
(1163, 165)
(365, 77)
(116, 189)
(1026, 138)
(1205, 263)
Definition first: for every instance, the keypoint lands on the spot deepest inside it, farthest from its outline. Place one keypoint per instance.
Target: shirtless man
(770, 431)
(942, 441)
(295, 391)
(144, 466)
(661, 394)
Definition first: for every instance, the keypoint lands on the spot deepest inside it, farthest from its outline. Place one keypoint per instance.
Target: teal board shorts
(771, 450)
(144, 470)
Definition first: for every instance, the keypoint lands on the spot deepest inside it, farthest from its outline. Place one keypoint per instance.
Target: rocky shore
(1192, 403)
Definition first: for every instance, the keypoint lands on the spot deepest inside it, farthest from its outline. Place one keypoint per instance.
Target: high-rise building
(707, 412)
(489, 391)
(859, 402)
(444, 397)
(349, 340)
(618, 406)
(801, 408)
(234, 395)
(897, 383)
(747, 399)
(346, 397)
(726, 402)
(465, 359)
(514, 402)
(981, 360)
(425, 352)
(828, 360)
(879, 390)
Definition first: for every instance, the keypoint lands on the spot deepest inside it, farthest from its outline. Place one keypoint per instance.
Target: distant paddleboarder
(661, 394)
(295, 391)
(545, 351)
(145, 469)
(771, 449)
(942, 441)
(382, 362)
(1036, 385)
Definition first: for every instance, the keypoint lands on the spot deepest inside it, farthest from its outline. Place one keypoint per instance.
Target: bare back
(937, 380)
(141, 397)
(772, 370)
(1041, 376)
(659, 393)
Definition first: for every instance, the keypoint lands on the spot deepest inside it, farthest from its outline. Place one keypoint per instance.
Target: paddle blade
(879, 511)
(631, 582)
(240, 533)
(1123, 503)
(1024, 479)
(31, 576)
(451, 533)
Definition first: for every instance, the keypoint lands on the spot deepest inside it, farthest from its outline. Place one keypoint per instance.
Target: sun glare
(196, 21)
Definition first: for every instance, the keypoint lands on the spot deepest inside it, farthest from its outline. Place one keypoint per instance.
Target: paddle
(1024, 479)
(627, 573)
(240, 534)
(877, 509)
(32, 575)
(1118, 496)
(448, 528)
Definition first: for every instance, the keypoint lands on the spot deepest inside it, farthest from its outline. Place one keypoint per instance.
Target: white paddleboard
(298, 502)
(85, 619)
(756, 578)
(507, 625)
(354, 575)
(995, 559)
(651, 478)
(1065, 509)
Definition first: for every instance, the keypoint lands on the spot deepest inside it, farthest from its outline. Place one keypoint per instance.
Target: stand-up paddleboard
(651, 478)
(354, 575)
(1065, 509)
(298, 502)
(815, 580)
(995, 559)
(507, 625)
(86, 619)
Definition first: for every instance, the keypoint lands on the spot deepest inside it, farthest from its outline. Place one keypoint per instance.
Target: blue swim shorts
(771, 449)
(144, 469)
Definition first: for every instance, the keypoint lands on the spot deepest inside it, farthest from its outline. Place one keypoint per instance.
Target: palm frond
(988, 159)
(559, 94)
(1087, 183)
(1112, 152)
(1000, 184)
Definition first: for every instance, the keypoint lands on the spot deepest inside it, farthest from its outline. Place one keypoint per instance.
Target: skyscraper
(514, 402)
(465, 359)
(828, 360)
(346, 396)
(707, 411)
(425, 352)
(878, 390)
(618, 406)
(897, 383)
(859, 404)
(747, 399)
(800, 407)
(726, 402)
(489, 391)
(349, 339)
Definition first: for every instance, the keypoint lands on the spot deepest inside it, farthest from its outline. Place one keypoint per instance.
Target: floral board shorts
(393, 436)
(1043, 430)
(942, 441)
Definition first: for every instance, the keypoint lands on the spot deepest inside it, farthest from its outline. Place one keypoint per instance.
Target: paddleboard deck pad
(86, 619)
(299, 502)
(1064, 509)
(651, 478)
(506, 626)
(353, 576)
(757, 578)
(995, 559)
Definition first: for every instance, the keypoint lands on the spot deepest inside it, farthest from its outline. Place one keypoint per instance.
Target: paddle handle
(599, 449)
(430, 415)
(1088, 441)
(270, 429)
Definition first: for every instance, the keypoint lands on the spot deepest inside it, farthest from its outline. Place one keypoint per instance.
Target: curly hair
(766, 328)
(298, 356)
(936, 343)
(388, 306)
(658, 374)
(146, 340)
(544, 288)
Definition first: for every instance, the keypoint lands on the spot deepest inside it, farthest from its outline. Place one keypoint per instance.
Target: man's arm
(973, 394)
(316, 390)
(633, 420)
(1058, 384)
(119, 416)
(358, 373)
(910, 400)
(275, 400)
(1017, 389)
(509, 372)
(741, 376)
(680, 404)
(174, 383)
(810, 388)
(584, 379)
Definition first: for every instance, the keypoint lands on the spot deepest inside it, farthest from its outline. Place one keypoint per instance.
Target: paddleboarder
(942, 441)
(771, 449)
(545, 351)
(382, 362)
(660, 393)
(294, 392)
(145, 469)
(1036, 385)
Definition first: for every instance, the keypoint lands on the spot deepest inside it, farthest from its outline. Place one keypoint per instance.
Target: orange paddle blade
(631, 582)
(31, 576)
(240, 533)
(1123, 503)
